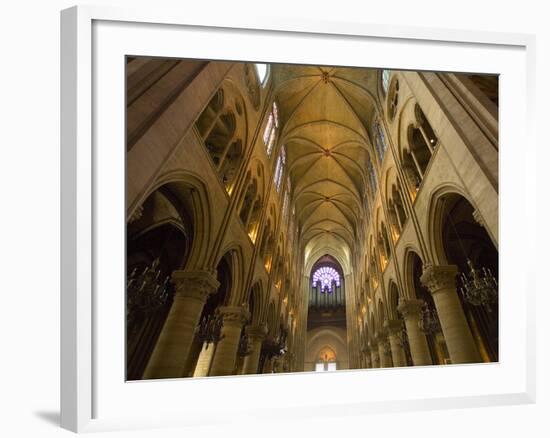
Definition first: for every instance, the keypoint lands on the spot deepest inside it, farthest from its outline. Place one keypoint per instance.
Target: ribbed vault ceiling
(325, 112)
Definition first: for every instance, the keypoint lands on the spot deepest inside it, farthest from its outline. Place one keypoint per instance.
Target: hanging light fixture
(479, 286)
(209, 330)
(147, 291)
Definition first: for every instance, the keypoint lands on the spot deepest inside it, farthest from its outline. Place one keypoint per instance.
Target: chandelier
(209, 330)
(147, 291)
(479, 287)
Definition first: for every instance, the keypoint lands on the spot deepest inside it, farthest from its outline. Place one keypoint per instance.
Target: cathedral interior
(286, 218)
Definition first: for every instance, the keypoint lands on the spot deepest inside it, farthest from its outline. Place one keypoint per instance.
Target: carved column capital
(409, 308)
(256, 332)
(438, 278)
(234, 315)
(195, 284)
(383, 342)
(381, 336)
(393, 326)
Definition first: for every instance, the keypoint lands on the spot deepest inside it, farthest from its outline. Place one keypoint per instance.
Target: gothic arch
(234, 252)
(393, 300)
(190, 189)
(439, 199)
(258, 296)
(408, 266)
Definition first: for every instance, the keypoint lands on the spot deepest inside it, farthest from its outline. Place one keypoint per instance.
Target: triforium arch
(223, 127)
(267, 173)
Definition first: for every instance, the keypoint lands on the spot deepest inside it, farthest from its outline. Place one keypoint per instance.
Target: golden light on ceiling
(328, 136)
(252, 234)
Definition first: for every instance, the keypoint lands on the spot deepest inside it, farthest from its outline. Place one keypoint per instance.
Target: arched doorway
(326, 360)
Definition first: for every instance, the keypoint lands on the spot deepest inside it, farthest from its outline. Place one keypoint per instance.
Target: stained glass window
(327, 278)
(271, 141)
(279, 169)
(385, 80)
(270, 131)
(372, 176)
(379, 140)
(275, 112)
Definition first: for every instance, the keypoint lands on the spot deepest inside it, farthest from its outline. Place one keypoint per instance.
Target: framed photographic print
(293, 209)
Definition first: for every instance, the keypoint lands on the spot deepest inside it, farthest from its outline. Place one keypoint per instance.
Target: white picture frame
(90, 401)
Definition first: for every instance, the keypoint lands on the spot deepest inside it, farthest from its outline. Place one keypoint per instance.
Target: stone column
(384, 351)
(172, 348)
(256, 336)
(367, 361)
(204, 361)
(395, 333)
(223, 363)
(440, 280)
(411, 311)
(375, 358)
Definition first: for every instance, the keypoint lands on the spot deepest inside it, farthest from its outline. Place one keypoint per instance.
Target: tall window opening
(372, 177)
(279, 169)
(379, 140)
(270, 132)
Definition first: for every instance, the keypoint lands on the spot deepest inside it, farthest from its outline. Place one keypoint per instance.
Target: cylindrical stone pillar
(384, 351)
(440, 280)
(375, 358)
(205, 360)
(411, 311)
(170, 354)
(367, 361)
(256, 336)
(225, 356)
(395, 330)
